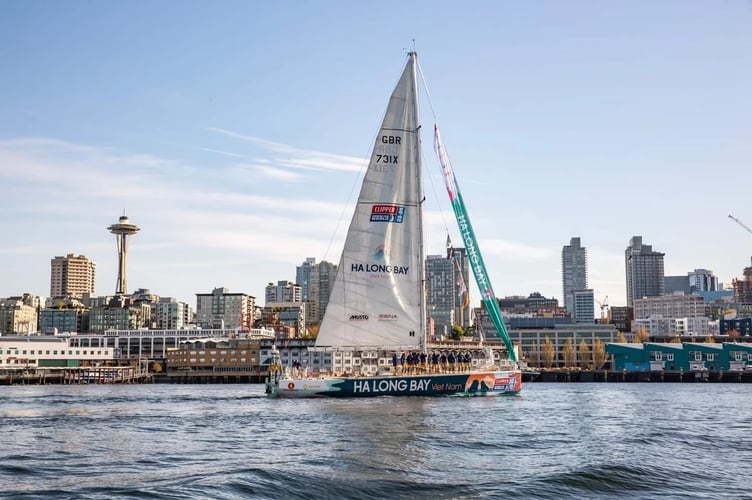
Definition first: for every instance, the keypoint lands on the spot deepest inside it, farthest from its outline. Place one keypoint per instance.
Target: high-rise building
(303, 277)
(170, 314)
(322, 284)
(222, 309)
(71, 276)
(702, 280)
(283, 291)
(440, 294)
(699, 280)
(677, 305)
(447, 293)
(584, 306)
(644, 270)
(743, 287)
(573, 272)
(316, 281)
(17, 316)
(621, 317)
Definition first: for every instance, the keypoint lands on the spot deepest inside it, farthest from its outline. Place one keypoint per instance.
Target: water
(228, 441)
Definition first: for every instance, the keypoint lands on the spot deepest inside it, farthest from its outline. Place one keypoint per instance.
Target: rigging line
(358, 175)
(432, 156)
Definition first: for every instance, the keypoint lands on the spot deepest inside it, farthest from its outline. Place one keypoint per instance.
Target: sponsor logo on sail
(358, 317)
(387, 213)
(387, 317)
(378, 253)
(357, 267)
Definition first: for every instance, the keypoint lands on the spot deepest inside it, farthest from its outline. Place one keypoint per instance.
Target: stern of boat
(275, 373)
(272, 388)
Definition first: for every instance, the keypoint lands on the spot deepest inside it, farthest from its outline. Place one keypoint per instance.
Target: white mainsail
(378, 299)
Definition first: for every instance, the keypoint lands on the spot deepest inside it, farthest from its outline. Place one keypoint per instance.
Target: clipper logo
(378, 253)
(388, 213)
(358, 317)
(505, 383)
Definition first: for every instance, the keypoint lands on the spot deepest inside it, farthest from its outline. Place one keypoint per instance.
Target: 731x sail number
(386, 158)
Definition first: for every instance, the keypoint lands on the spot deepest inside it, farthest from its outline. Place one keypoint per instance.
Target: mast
(421, 203)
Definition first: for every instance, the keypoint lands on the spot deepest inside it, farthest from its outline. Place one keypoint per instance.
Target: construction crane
(604, 306)
(740, 223)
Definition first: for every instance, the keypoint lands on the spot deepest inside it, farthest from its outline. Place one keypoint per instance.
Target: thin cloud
(293, 157)
(275, 173)
(221, 152)
(263, 143)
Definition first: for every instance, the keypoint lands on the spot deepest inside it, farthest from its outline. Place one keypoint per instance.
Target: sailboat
(377, 307)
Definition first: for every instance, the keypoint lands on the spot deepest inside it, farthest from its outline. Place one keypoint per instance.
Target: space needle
(122, 231)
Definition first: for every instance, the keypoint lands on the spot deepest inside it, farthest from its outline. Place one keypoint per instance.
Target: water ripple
(230, 442)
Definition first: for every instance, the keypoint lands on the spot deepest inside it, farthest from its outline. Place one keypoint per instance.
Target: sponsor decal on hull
(483, 383)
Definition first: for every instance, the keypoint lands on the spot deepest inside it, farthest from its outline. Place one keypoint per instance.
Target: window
(670, 356)
(711, 357)
(698, 356)
(658, 356)
(737, 356)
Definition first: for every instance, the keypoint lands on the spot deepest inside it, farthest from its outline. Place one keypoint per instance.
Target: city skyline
(236, 146)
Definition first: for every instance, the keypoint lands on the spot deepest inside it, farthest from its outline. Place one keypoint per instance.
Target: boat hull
(482, 383)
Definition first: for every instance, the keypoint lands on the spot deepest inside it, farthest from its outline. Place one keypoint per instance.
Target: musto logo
(358, 317)
(387, 213)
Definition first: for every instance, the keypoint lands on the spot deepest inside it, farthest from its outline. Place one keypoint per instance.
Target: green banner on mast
(471, 245)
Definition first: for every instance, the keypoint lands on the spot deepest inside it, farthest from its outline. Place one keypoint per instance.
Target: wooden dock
(76, 375)
(654, 376)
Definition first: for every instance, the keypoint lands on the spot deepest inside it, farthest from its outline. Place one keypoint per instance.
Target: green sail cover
(471, 245)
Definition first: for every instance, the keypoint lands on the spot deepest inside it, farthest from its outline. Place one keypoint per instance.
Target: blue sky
(235, 134)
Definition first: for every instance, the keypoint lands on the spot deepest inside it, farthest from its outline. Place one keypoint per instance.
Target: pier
(634, 376)
(76, 375)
